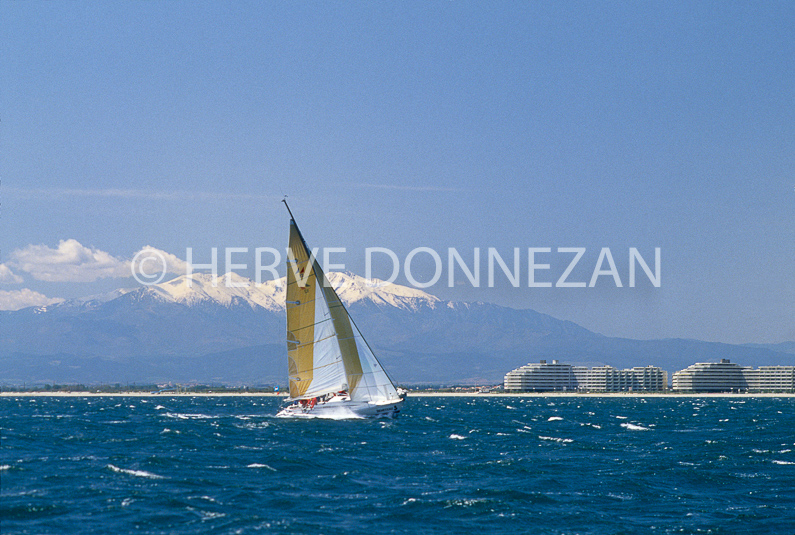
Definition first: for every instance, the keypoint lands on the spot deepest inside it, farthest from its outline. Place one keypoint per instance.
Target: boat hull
(343, 410)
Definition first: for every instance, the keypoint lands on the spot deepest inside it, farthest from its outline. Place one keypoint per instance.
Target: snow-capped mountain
(205, 329)
(225, 290)
(232, 289)
(354, 289)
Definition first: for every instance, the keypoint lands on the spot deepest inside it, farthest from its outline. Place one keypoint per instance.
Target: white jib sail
(328, 370)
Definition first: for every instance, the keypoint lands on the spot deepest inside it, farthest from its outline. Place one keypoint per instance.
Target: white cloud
(73, 262)
(70, 262)
(17, 299)
(149, 265)
(174, 263)
(7, 276)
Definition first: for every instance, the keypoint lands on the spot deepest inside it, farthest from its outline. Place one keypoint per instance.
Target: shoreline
(420, 394)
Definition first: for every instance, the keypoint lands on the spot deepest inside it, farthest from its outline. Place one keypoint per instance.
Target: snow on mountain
(83, 303)
(232, 288)
(203, 329)
(98, 299)
(224, 290)
(355, 289)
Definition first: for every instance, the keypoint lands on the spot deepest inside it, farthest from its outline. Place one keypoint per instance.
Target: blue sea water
(447, 465)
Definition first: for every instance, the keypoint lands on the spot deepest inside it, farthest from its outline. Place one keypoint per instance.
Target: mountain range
(228, 330)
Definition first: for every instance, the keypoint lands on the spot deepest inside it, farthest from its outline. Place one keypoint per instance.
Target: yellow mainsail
(300, 315)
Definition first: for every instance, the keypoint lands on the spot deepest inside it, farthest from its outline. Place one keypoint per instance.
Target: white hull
(341, 410)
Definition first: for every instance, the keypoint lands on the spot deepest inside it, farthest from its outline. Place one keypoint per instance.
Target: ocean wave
(261, 465)
(136, 473)
(425, 460)
(555, 439)
(188, 416)
(633, 427)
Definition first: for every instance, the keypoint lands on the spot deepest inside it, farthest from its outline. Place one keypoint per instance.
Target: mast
(288, 208)
(300, 235)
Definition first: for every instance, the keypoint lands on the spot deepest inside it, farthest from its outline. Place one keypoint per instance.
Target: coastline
(420, 394)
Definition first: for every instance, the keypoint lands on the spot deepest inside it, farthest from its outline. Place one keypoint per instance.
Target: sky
(446, 125)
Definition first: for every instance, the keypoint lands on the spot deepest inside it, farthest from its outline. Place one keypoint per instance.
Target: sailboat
(333, 372)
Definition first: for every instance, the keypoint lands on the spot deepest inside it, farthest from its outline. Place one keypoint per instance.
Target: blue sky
(401, 125)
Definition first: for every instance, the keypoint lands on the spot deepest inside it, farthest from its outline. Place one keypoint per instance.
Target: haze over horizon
(442, 125)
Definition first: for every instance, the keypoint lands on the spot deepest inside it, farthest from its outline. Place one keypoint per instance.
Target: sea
(478, 464)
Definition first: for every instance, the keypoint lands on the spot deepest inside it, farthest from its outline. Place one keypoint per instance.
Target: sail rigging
(326, 351)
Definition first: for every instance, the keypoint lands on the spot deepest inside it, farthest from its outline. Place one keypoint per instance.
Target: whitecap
(209, 515)
(633, 427)
(159, 407)
(208, 498)
(5, 467)
(137, 473)
(783, 462)
(456, 437)
(187, 416)
(260, 465)
(621, 417)
(555, 439)
(253, 425)
(464, 503)
(554, 418)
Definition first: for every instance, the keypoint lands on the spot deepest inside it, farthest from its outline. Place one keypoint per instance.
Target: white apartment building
(557, 377)
(637, 379)
(542, 377)
(725, 376)
(770, 379)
